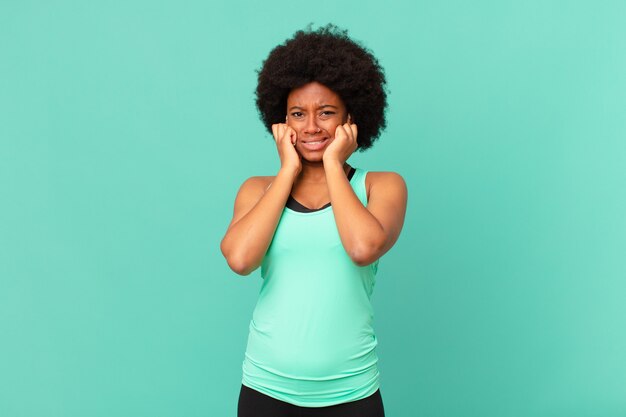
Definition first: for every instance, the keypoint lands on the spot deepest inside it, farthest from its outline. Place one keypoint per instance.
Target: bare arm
(255, 218)
(366, 232)
(258, 209)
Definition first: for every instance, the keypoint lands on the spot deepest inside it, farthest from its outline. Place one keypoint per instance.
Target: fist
(343, 145)
(285, 138)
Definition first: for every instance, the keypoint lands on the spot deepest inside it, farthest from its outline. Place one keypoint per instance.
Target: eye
(296, 114)
(327, 113)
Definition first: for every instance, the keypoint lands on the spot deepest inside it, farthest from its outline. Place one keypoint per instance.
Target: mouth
(314, 144)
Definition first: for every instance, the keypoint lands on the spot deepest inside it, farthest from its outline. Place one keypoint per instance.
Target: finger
(340, 132)
(283, 131)
(286, 134)
(354, 130)
(280, 131)
(291, 134)
(349, 133)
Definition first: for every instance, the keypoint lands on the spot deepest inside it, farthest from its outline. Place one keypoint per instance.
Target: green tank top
(311, 340)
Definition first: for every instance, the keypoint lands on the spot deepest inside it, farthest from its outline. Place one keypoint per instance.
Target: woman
(317, 229)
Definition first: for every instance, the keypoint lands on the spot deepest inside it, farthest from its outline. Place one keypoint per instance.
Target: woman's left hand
(343, 145)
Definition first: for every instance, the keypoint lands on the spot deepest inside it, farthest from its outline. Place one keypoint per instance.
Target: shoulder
(254, 187)
(386, 177)
(257, 182)
(385, 180)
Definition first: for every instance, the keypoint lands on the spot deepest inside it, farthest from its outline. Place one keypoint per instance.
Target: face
(314, 111)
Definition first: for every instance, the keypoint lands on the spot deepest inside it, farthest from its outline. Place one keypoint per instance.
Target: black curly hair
(326, 55)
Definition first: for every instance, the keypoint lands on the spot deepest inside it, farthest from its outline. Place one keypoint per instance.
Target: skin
(315, 177)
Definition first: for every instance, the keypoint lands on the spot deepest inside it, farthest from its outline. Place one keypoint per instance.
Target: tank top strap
(358, 185)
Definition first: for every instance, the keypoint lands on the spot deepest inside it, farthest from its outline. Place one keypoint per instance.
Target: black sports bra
(294, 205)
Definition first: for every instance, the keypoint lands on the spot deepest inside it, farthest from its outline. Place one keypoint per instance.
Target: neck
(313, 171)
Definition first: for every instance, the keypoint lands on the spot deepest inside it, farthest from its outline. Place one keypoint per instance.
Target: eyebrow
(320, 107)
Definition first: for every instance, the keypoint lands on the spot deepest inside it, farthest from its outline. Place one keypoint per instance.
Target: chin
(313, 156)
(314, 159)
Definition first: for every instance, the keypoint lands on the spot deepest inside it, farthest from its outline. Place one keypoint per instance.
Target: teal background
(126, 128)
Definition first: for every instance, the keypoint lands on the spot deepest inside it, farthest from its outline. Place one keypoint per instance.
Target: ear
(349, 118)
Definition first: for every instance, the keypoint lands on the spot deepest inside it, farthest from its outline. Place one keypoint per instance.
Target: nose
(311, 126)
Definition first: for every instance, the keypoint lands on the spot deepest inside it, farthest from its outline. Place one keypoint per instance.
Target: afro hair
(326, 55)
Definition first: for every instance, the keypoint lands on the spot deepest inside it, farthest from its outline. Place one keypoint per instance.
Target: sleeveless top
(311, 340)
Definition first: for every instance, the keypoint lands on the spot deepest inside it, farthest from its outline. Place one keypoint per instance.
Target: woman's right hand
(285, 138)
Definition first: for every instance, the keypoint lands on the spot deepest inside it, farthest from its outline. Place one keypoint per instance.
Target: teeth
(319, 141)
